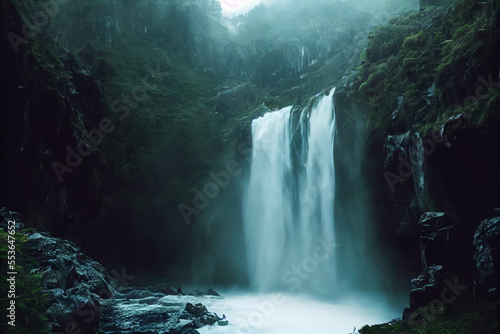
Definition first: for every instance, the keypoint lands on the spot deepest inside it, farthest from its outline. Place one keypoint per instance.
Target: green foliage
(465, 319)
(30, 300)
(168, 144)
(446, 50)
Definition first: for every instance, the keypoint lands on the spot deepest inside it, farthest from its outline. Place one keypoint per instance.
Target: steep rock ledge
(428, 84)
(50, 103)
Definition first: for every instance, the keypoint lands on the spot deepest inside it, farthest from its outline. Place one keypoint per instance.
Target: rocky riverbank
(81, 296)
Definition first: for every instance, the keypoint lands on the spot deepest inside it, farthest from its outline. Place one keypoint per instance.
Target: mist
(295, 48)
(232, 8)
(243, 155)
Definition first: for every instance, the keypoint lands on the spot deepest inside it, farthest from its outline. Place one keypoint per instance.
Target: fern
(31, 300)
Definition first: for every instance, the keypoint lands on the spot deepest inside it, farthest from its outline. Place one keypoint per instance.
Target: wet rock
(435, 230)
(157, 313)
(394, 146)
(141, 294)
(201, 314)
(6, 216)
(184, 331)
(445, 243)
(197, 310)
(430, 222)
(445, 252)
(406, 313)
(165, 289)
(196, 293)
(76, 283)
(426, 287)
(398, 166)
(212, 292)
(171, 291)
(487, 257)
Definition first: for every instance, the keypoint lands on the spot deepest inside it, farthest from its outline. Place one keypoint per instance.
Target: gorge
(322, 165)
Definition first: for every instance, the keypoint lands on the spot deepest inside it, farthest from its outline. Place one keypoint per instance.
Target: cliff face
(429, 84)
(116, 111)
(49, 101)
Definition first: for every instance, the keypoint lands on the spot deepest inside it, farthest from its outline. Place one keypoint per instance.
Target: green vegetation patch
(30, 300)
(438, 60)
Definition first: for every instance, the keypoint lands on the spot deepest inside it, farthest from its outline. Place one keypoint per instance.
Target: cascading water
(289, 202)
(296, 241)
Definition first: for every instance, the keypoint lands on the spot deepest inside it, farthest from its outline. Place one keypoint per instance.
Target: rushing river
(293, 314)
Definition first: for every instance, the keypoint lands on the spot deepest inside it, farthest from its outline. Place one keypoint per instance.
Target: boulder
(445, 243)
(196, 293)
(212, 292)
(197, 310)
(75, 282)
(150, 310)
(435, 231)
(487, 258)
(199, 314)
(426, 287)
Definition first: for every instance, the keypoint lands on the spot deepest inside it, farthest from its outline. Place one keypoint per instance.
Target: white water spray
(289, 203)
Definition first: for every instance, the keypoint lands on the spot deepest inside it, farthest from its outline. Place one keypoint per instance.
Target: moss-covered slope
(422, 68)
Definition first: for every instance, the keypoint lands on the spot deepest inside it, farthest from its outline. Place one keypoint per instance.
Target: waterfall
(288, 206)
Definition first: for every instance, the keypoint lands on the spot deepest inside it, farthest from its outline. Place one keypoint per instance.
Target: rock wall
(431, 161)
(49, 105)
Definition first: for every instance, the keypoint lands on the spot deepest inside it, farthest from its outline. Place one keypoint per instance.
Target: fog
(277, 52)
(282, 313)
(294, 49)
(231, 8)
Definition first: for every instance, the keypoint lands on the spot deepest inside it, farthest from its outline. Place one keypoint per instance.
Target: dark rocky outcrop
(487, 258)
(199, 315)
(212, 292)
(426, 287)
(82, 297)
(75, 284)
(140, 310)
(432, 157)
(443, 242)
(49, 102)
(445, 254)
